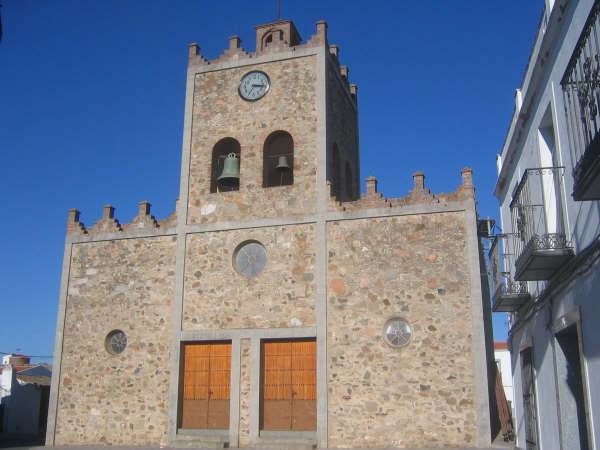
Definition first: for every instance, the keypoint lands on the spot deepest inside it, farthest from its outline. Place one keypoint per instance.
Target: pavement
(17, 442)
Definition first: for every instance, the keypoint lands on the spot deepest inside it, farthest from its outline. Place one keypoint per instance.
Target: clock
(250, 258)
(254, 85)
(115, 342)
(397, 332)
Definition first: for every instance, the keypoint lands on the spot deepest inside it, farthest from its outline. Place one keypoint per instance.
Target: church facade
(277, 305)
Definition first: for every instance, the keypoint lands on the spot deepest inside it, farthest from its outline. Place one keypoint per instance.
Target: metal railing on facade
(537, 214)
(581, 91)
(504, 286)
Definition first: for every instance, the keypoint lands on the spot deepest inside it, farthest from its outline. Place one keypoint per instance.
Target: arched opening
(278, 160)
(225, 171)
(275, 35)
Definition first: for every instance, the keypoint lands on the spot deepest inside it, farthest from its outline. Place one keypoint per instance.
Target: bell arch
(220, 180)
(272, 35)
(278, 159)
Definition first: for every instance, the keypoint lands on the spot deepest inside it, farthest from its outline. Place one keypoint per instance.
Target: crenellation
(419, 194)
(334, 50)
(108, 223)
(276, 37)
(467, 177)
(144, 219)
(74, 226)
(234, 42)
(344, 71)
(234, 52)
(195, 58)
(354, 92)
(320, 37)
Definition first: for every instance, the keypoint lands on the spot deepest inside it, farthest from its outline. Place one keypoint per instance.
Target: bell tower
(270, 133)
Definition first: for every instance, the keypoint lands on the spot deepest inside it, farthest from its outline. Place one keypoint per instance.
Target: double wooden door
(289, 379)
(206, 385)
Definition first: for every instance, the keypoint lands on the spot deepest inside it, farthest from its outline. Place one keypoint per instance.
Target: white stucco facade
(550, 236)
(24, 396)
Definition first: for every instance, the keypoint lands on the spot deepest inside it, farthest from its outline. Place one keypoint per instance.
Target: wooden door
(206, 378)
(529, 404)
(289, 382)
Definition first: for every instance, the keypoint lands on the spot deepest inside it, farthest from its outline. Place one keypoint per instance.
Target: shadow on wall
(24, 411)
(20, 440)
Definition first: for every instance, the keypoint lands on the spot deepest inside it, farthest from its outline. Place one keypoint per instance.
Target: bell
(282, 163)
(231, 170)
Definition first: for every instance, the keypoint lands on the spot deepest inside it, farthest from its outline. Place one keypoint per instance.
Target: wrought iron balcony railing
(581, 91)
(541, 245)
(508, 295)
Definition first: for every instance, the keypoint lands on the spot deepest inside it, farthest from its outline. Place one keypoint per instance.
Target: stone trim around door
(255, 335)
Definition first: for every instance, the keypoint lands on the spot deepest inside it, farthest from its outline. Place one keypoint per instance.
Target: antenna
(279, 9)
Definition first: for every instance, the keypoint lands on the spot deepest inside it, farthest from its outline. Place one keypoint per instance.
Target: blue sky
(92, 96)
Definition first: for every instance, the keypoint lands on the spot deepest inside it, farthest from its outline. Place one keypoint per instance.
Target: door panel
(529, 404)
(206, 389)
(289, 385)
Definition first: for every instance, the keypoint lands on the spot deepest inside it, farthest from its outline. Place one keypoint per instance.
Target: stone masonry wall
(220, 112)
(283, 295)
(245, 368)
(117, 399)
(414, 267)
(342, 129)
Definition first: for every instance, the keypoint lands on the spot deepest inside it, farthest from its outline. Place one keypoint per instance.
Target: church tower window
(225, 171)
(278, 160)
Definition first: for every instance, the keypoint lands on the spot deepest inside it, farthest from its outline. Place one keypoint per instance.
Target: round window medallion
(250, 258)
(397, 332)
(115, 342)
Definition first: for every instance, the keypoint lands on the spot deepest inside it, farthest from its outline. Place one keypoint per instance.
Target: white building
(545, 262)
(24, 392)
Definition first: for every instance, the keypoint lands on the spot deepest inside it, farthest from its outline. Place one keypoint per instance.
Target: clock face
(397, 332)
(254, 85)
(250, 259)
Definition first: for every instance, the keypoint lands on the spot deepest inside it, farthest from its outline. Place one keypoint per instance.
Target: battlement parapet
(74, 226)
(195, 58)
(144, 220)
(419, 195)
(108, 223)
(273, 37)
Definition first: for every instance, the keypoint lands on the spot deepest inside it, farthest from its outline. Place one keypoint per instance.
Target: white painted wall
(582, 225)
(21, 402)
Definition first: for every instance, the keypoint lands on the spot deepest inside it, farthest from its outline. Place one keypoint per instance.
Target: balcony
(581, 92)
(541, 245)
(508, 295)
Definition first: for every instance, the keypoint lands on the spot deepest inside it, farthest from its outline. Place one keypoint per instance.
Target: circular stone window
(250, 258)
(397, 332)
(115, 342)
